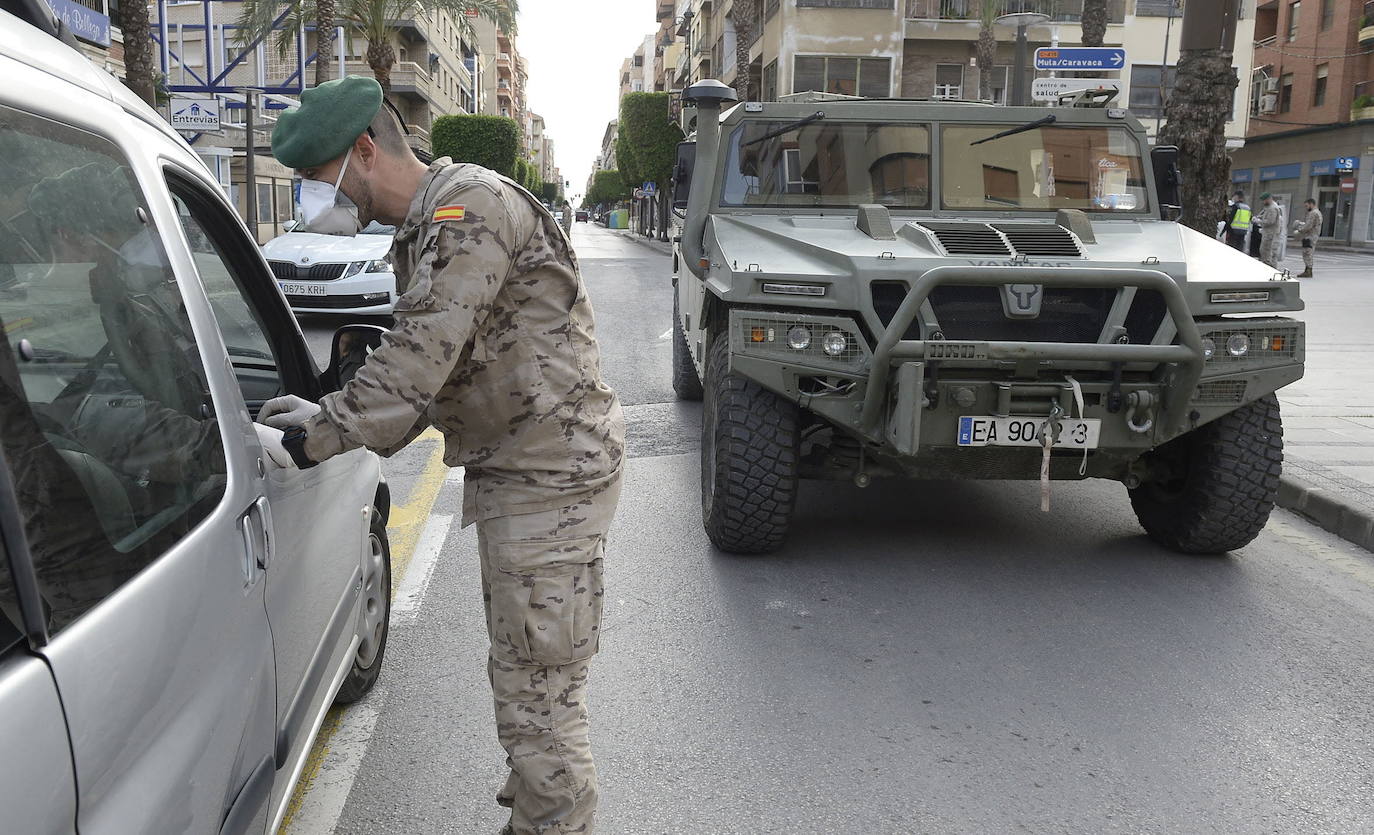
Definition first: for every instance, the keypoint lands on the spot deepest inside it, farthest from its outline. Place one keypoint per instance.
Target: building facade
(1311, 103)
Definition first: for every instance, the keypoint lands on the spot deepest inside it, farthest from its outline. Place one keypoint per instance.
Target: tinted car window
(104, 405)
(10, 619)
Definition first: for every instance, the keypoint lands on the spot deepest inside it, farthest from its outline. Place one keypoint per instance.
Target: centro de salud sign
(84, 22)
(1080, 58)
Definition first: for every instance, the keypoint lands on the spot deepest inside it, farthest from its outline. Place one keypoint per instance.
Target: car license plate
(1020, 431)
(302, 289)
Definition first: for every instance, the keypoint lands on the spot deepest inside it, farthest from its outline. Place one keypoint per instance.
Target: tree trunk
(381, 58)
(1094, 20)
(745, 14)
(1196, 114)
(139, 72)
(986, 52)
(325, 25)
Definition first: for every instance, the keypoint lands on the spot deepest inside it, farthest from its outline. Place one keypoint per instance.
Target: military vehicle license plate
(302, 289)
(1016, 431)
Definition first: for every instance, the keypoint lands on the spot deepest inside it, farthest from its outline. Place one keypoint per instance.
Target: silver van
(176, 616)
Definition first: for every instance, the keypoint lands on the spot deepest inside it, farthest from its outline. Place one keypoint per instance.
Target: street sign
(195, 114)
(648, 189)
(1080, 58)
(1348, 185)
(639, 194)
(1050, 89)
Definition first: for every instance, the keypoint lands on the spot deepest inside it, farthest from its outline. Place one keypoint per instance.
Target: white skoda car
(335, 273)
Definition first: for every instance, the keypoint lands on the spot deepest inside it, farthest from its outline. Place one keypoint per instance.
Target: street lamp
(1021, 20)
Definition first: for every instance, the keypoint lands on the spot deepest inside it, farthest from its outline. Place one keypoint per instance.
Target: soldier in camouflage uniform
(493, 344)
(567, 219)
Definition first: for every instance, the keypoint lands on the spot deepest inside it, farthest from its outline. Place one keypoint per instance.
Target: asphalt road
(921, 657)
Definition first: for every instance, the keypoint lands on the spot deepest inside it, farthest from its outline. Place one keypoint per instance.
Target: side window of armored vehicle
(828, 165)
(104, 403)
(1093, 168)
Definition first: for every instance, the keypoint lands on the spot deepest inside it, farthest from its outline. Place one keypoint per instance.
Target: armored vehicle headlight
(835, 343)
(799, 338)
(1238, 345)
(1209, 347)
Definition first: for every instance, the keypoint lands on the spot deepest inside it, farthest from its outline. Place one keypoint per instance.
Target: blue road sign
(1080, 58)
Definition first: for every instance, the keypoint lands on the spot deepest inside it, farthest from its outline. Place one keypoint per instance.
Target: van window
(104, 405)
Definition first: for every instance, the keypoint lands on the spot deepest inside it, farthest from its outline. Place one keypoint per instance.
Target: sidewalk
(1328, 416)
(663, 247)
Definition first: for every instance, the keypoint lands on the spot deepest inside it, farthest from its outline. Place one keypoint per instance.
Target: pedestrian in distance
(1238, 221)
(1307, 231)
(494, 345)
(1269, 222)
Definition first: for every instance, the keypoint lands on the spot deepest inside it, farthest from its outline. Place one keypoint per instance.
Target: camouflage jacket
(1268, 217)
(494, 345)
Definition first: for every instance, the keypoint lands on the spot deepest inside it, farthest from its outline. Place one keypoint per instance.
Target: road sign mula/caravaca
(1080, 58)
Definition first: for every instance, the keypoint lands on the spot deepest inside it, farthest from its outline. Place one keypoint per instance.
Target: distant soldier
(1307, 229)
(1238, 223)
(1269, 221)
(567, 219)
(493, 345)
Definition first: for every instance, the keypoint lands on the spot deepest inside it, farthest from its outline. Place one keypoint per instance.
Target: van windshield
(828, 165)
(1096, 169)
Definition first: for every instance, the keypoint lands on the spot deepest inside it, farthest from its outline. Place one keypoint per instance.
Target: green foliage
(490, 141)
(607, 187)
(549, 192)
(1362, 102)
(650, 136)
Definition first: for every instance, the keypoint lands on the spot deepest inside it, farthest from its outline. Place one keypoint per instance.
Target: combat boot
(1307, 273)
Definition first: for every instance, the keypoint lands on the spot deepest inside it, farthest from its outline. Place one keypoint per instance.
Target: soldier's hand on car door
(270, 439)
(287, 411)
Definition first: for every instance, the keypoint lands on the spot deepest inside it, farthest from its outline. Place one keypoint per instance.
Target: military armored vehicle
(873, 289)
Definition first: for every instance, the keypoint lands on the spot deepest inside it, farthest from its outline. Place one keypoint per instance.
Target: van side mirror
(1168, 181)
(350, 349)
(682, 174)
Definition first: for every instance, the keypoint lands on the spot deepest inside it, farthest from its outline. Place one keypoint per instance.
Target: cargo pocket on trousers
(547, 600)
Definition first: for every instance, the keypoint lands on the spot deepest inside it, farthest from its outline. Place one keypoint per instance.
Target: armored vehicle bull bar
(1188, 356)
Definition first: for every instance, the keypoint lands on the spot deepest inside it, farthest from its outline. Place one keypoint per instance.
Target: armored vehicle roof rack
(1101, 97)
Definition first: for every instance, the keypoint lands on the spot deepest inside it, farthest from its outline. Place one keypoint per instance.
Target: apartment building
(1311, 103)
(504, 75)
(637, 71)
(927, 48)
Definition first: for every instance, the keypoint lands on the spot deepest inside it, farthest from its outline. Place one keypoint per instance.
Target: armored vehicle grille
(1067, 314)
(887, 297)
(287, 271)
(1220, 391)
(1146, 315)
(968, 238)
(1043, 239)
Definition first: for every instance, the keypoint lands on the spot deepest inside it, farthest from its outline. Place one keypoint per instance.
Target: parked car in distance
(581, 215)
(177, 614)
(335, 273)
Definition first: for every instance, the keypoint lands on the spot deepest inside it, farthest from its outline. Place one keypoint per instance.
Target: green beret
(330, 119)
(1264, 196)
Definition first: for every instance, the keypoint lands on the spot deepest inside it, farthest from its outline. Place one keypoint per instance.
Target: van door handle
(263, 508)
(252, 547)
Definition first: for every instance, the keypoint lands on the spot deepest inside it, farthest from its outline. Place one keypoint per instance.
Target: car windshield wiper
(1038, 123)
(800, 123)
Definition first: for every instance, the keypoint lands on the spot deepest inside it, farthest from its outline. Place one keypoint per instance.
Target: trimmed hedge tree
(491, 141)
(650, 136)
(607, 187)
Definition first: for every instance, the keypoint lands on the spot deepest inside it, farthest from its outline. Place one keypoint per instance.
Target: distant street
(940, 657)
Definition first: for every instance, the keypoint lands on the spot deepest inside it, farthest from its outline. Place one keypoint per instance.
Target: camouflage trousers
(1269, 248)
(542, 585)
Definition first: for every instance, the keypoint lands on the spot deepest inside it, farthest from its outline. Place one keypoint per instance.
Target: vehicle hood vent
(1044, 239)
(967, 238)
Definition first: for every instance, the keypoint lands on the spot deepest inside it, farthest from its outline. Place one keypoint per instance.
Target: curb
(1328, 510)
(658, 246)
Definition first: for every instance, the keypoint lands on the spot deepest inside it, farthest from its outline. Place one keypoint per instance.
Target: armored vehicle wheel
(686, 381)
(1227, 479)
(750, 450)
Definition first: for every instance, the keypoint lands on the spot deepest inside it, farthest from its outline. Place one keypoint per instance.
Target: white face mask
(327, 210)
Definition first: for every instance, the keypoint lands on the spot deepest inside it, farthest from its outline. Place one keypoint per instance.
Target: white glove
(272, 447)
(288, 411)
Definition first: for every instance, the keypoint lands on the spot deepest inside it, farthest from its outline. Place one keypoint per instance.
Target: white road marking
(321, 807)
(666, 334)
(411, 592)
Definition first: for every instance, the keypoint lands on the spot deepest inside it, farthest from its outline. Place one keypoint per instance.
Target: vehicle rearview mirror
(1168, 181)
(682, 173)
(350, 349)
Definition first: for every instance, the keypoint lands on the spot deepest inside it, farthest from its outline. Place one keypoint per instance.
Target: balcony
(1362, 102)
(407, 78)
(1060, 11)
(1367, 24)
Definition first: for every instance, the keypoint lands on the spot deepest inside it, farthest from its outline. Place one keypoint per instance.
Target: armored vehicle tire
(686, 381)
(376, 616)
(1230, 478)
(750, 451)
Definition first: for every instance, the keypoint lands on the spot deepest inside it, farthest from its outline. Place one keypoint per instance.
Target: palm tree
(986, 50)
(1094, 22)
(372, 20)
(139, 73)
(746, 16)
(324, 39)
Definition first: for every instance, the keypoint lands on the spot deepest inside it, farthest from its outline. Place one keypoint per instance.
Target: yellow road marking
(403, 532)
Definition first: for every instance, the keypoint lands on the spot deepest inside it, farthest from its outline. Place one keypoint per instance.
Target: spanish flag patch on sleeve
(448, 213)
